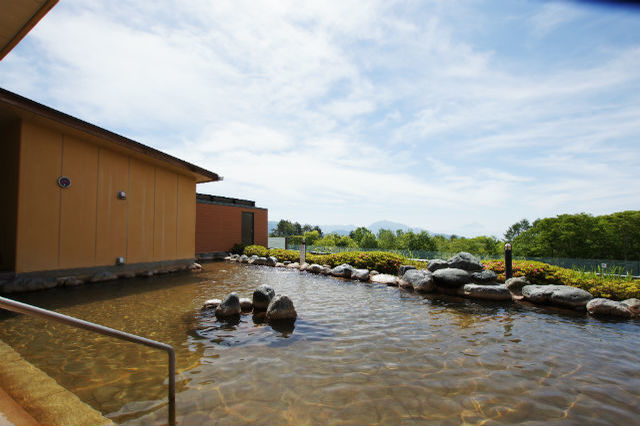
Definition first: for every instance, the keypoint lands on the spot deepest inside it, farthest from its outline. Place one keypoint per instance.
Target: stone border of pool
(464, 275)
(41, 396)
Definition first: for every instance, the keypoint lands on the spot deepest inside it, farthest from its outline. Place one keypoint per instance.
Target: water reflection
(358, 354)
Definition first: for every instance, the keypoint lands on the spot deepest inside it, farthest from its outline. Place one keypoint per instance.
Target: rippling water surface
(359, 354)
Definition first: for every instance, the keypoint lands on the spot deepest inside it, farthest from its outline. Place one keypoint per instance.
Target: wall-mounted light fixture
(120, 260)
(122, 195)
(64, 182)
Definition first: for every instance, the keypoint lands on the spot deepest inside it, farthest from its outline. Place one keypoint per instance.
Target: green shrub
(610, 287)
(238, 248)
(387, 263)
(284, 255)
(256, 250)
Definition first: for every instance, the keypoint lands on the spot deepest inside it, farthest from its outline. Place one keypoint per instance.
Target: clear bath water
(359, 354)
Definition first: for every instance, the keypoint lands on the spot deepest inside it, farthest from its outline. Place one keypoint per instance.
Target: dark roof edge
(226, 201)
(78, 124)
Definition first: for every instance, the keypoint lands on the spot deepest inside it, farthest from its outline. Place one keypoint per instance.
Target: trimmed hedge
(256, 250)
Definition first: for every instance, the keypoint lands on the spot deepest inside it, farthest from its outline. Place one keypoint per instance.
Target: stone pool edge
(41, 396)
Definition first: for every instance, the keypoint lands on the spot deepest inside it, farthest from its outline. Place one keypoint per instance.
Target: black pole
(508, 267)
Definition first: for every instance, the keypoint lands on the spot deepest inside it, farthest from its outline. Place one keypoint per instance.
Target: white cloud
(347, 112)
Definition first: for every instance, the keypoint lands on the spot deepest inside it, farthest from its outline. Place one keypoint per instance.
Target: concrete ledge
(41, 396)
(41, 280)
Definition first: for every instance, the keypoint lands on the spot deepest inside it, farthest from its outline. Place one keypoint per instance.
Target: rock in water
(315, 268)
(345, 270)
(390, 280)
(229, 306)
(436, 264)
(608, 307)
(488, 292)
(211, 304)
(484, 277)
(465, 261)
(515, 284)
(560, 295)
(280, 308)
(262, 297)
(245, 304)
(451, 277)
(360, 274)
(404, 268)
(634, 306)
(420, 280)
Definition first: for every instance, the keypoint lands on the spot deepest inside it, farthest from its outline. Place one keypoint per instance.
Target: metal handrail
(23, 308)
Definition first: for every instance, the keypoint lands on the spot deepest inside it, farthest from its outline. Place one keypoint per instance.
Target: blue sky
(454, 116)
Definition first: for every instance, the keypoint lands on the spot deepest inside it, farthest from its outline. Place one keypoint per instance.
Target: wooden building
(77, 197)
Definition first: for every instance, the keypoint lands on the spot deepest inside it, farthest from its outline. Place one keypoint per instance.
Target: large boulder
(634, 306)
(451, 277)
(258, 260)
(465, 261)
(608, 307)
(293, 265)
(420, 280)
(314, 268)
(271, 261)
(484, 277)
(404, 268)
(515, 284)
(360, 274)
(386, 279)
(560, 295)
(345, 270)
(229, 306)
(243, 259)
(435, 264)
(280, 308)
(262, 297)
(304, 266)
(488, 292)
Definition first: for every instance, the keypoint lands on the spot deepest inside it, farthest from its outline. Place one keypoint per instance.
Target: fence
(621, 267)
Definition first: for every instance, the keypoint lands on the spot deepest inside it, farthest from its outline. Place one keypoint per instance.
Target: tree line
(387, 239)
(613, 236)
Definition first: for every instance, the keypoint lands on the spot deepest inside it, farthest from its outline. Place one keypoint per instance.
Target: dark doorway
(247, 228)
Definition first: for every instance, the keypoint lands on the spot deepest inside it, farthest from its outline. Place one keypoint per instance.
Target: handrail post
(23, 308)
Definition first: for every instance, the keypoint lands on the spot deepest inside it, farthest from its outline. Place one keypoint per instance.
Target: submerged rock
(360, 274)
(465, 261)
(106, 276)
(420, 280)
(515, 284)
(488, 292)
(280, 308)
(243, 259)
(600, 306)
(451, 277)
(262, 297)
(436, 264)
(560, 295)
(229, 306)
(345, 270)
(387, 279)
(484, 277)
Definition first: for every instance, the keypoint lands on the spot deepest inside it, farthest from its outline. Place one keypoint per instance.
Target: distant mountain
(346, 229)
(392, 226)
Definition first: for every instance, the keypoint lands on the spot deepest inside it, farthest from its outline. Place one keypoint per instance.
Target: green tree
(387, 239)
(516, 229)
